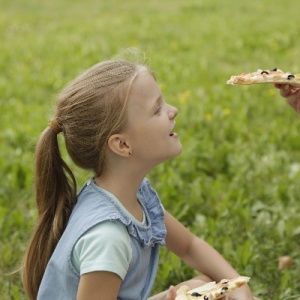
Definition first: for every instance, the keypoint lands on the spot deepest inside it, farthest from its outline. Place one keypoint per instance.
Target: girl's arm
(195, 252)
(200, 255)
(99, 286)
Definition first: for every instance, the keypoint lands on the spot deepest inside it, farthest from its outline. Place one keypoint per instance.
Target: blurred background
(236, 182)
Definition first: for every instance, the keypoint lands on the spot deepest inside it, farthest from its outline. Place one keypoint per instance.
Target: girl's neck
(125, 190)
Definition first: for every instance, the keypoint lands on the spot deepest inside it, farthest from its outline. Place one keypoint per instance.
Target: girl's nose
(173, 112)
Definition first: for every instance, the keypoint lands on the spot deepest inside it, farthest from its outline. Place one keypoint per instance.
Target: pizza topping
(224, 281)
(290, 76)
(196, 294)
(225, 288)
(264, 72)
(274, 70)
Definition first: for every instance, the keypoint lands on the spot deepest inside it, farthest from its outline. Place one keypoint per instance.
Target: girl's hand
(171, 293)
(242, 293)
(292, 95)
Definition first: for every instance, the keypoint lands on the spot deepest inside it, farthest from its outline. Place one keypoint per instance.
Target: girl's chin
(179, 150)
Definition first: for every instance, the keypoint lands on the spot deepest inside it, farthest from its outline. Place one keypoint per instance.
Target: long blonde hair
(89, 110)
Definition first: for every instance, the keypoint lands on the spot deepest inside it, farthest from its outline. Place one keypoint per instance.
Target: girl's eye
(158, 110)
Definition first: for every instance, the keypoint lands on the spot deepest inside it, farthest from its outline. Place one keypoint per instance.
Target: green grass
(236, 183)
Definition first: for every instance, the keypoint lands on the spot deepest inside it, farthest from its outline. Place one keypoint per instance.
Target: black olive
(205, 298)
(195, 294)
(290, 76)
(225, 288)
(275, 69)
(264, 72)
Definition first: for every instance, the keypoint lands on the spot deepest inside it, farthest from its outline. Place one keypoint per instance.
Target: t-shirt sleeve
(105, 247)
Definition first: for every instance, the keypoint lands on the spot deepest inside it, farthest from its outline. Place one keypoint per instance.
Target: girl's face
(151, 122)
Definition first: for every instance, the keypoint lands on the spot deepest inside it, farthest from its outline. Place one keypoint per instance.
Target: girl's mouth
(173, 134)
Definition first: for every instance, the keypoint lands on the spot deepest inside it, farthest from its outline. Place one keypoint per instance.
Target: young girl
(103, 243)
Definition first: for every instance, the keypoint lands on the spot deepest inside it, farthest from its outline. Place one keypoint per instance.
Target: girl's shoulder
(99, 246)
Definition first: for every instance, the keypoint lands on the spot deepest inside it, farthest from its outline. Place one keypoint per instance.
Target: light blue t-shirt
(105, 247)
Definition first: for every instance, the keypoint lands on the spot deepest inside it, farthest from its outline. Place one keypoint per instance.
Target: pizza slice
(211, 290)
(266, 76)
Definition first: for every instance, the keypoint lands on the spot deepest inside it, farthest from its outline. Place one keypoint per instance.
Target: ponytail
(55, 188)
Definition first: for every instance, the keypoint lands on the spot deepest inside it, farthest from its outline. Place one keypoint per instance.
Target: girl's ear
(120, 145)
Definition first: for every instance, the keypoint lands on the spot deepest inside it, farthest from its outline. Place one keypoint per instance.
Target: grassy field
(236, 183)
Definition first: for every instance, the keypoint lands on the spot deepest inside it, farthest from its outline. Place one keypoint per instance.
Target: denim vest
(60, 280)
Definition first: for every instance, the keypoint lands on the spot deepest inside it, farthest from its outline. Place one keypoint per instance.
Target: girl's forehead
(144, 91)
(144, 83)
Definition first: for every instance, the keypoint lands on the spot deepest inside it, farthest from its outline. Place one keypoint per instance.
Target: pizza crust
(211, 290)
(265, 76)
